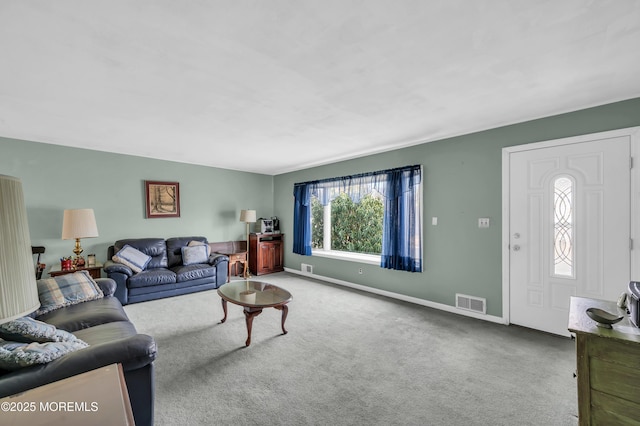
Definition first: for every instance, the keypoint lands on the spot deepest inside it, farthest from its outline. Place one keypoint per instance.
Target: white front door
(569, 228)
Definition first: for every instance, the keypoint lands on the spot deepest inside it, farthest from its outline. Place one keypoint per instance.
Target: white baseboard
(403, 297)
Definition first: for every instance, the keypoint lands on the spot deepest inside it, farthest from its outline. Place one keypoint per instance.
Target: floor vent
(471, 303)
(306, 269)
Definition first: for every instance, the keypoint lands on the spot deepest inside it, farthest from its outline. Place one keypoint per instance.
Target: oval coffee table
(254, 296)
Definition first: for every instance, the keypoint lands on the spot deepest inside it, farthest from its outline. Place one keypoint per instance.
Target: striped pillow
(66, 290)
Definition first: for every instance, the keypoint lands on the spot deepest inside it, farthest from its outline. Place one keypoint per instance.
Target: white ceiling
(281, 85)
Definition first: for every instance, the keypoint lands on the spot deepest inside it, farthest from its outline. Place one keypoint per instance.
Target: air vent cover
(471, 303)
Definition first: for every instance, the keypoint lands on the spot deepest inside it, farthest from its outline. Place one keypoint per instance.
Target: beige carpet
(351, 358)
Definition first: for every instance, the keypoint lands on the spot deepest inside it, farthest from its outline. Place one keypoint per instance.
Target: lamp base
(78, 248)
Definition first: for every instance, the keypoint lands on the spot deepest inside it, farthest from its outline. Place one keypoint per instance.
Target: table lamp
(247, 216)
(79, 223)
(18, 288)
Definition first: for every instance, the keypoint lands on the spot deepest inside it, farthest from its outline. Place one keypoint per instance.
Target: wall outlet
(483, 222)
(360, 271)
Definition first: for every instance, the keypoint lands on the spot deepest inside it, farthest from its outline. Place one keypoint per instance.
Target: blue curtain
(402, 230)
(302, 219)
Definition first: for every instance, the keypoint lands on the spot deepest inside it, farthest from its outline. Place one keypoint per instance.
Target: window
(563, 226)
(350, 208)
(343, 225)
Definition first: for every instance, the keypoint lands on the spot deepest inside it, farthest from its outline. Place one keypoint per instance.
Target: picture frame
(162, 199)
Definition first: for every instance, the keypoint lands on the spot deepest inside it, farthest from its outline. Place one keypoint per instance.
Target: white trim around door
(633, 133)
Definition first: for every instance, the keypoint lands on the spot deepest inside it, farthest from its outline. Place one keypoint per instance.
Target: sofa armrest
(120, 274)
(110, 267)
(215, 258)
(107, 285)
(132, 352)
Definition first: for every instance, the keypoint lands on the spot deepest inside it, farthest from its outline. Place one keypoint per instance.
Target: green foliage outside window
(317, 224)
(355, 227)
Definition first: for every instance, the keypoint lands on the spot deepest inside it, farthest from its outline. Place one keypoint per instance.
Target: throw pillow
(27, 330)
(16, 355)
(193, 255)
(132, 257)
(200, 243)
(66, 290)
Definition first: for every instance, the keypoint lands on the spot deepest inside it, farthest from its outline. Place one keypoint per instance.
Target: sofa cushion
(174, 248)
(66, 290)
(195, 254)
(27, 330)
(85, 315)
(154, 247)
(16, 355)
(193, 272)
(132, 257)
(105, 333)
(152, 277)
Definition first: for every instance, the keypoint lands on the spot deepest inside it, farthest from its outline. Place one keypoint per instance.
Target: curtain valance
(359, 185)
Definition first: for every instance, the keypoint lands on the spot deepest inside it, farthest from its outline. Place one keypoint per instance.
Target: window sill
(347, 256)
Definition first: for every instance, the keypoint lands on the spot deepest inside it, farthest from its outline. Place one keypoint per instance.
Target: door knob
(516, 248)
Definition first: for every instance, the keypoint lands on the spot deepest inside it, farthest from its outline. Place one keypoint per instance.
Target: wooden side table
(94, 271)
(97, 397)
(235, 259)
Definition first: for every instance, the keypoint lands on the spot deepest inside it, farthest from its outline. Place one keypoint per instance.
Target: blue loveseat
(165, 274)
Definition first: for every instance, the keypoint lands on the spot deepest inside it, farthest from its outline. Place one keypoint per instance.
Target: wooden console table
(608, 362)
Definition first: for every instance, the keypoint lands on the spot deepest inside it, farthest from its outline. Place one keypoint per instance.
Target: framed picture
(163, 199)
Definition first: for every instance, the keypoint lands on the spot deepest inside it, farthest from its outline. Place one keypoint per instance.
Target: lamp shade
(79, 223)
(248, 216)
(18, 289)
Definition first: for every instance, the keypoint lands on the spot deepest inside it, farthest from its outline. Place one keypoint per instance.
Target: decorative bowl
(603, 318)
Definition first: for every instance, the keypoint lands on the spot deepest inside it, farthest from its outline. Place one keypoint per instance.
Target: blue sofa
(112, 339)
(165, 275)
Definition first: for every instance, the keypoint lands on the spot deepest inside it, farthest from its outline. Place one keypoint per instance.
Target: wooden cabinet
(266, 253)
(608, 366)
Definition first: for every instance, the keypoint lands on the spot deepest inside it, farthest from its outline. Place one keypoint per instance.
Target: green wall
(55, 178)
(462, 182)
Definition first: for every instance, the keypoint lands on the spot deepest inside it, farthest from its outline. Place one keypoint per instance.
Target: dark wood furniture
(608, 365)
(254, 296)
(94, 271)
(237, 253)
(266, 253)
(39, 266)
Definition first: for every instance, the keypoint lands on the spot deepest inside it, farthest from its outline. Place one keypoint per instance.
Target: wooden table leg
(249, 314)
(285, 311)
(224, 308)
